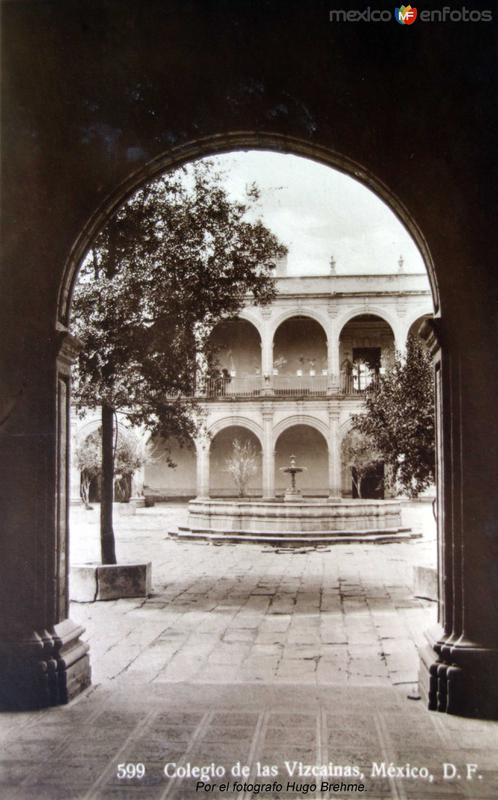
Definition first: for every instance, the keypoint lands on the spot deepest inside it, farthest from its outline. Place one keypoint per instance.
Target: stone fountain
(295, 520)
(292, 495)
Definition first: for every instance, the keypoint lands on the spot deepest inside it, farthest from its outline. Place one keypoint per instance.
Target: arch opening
(366, 350)
(300, 356)
(236, 366)
(170, 472)
(414, 329)
(310, 449)
(235, 457)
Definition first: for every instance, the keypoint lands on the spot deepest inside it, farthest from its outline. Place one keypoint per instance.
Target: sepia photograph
(248, 517)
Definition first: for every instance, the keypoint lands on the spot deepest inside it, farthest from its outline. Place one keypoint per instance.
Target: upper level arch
(364, 309)
(237, 348)
(298, 312)
(413, 322)
(251, 315)
(300, 348)
(413, 327)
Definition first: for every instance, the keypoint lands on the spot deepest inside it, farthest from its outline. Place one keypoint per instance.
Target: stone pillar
(74, 482)
(268, 453)
(461, 658)
(267, 359)
(333, 366)
(202, 447)
(42, 660)
(400, 331)
(74, 472)
(334, 452)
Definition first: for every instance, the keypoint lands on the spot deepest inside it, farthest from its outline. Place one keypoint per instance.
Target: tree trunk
(85, 489)
(107, 543)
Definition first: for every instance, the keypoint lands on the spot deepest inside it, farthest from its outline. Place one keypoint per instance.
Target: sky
(319, 212)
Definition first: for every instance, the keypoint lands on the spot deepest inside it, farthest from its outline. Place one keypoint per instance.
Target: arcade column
(202, 447)
(268, 453)
(267, 358)
(333, 366)
(334, 451)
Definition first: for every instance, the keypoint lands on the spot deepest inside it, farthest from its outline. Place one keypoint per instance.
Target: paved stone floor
(342, 614)
(244, 655)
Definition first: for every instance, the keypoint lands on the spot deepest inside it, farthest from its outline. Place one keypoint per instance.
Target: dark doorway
(372, 484)
(366, 366)
(368, 355)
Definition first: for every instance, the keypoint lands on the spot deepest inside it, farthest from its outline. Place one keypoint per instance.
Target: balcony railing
(245, 386)
(352, 385)
(358, 383)
(254, 385)
(299, 384)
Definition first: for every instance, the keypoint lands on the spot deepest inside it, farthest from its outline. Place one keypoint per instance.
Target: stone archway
(366, 349)
(237, 365)
(221, 482)
(310, 449)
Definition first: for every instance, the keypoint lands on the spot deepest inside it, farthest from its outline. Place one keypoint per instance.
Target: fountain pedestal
(292, 494)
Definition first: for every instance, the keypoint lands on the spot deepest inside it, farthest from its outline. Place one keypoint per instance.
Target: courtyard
(247, 657)
(245, 613)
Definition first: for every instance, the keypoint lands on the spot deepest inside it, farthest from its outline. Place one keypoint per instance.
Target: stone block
(138, 502)
(425, 583)
(90, 582)
(126, 509)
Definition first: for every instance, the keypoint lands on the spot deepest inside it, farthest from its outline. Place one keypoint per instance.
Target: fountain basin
(300, 516)
(299, 523)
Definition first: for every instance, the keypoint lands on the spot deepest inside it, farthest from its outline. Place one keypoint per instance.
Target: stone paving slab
(245, 654)
(242, 613)
(337, 727)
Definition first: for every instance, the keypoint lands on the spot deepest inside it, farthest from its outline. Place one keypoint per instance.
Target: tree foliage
(130, 455)
(399, 419)
(360, 454)
(242, 464)
(175, 259)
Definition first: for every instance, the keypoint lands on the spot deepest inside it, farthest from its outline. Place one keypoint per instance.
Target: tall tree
(175, 259)
(399, 419)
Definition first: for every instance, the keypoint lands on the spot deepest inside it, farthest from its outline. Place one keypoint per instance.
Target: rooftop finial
(400, 263)
(332, 265)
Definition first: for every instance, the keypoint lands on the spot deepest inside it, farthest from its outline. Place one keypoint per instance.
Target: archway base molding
(462, 679)
(43, 668)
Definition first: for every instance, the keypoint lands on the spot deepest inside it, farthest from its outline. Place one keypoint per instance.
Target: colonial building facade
(290, 376)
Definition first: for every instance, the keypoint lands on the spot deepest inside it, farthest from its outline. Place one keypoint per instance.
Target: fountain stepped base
(292, 538)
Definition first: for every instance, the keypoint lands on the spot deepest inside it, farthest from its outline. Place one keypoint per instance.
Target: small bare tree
(242, 464)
